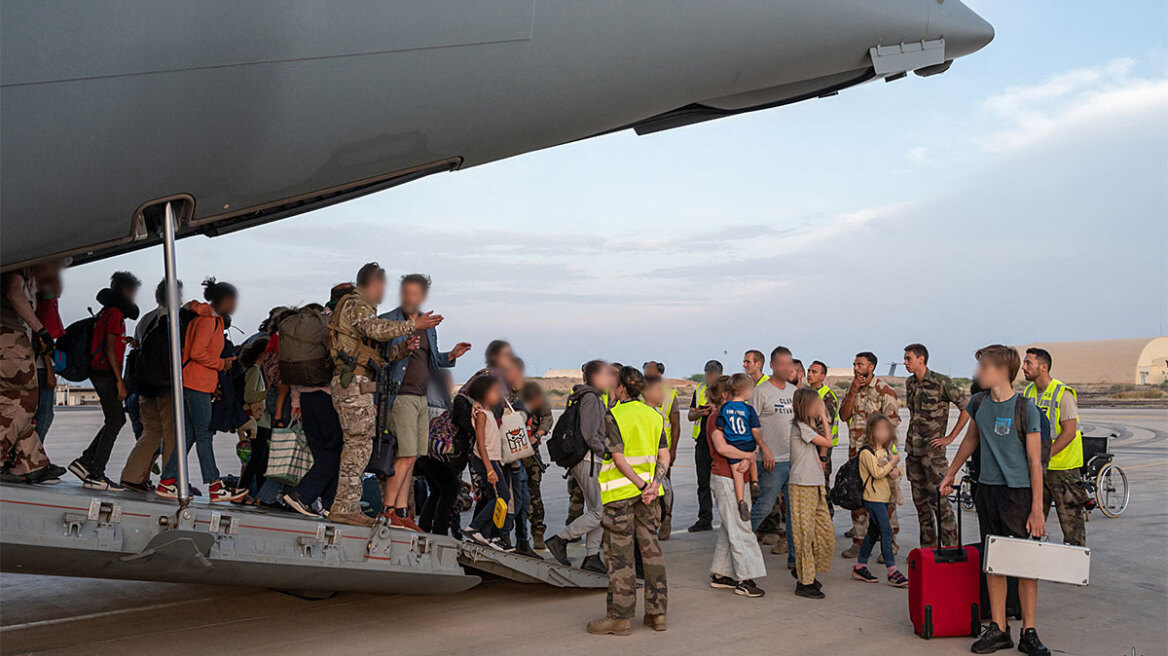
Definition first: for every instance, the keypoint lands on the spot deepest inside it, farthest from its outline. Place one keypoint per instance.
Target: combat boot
(666, 528)
(851, 552)
(609, 626)
(352, 519)
(523, 548)
(537, 540)
(655, 622)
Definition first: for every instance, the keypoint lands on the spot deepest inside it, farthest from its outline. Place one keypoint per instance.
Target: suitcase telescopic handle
(956, 552)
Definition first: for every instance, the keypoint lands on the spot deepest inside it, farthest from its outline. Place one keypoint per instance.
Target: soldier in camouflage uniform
(631, 523)
(354, 335)
(23, 339)
(866, 396)
(539, 425)
(928, 395)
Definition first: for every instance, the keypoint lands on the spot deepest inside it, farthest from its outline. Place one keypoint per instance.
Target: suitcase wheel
(927, 625)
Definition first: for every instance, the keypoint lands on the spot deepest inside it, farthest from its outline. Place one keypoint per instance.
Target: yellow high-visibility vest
(762, 380)
(665, 409)
(701, 396)
(1070, 457)
(640, 428)
(824, 391)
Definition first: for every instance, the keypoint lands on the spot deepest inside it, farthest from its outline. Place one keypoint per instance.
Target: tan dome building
(1141, 361)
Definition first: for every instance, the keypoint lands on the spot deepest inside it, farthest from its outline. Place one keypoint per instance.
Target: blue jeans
(522, 499)
(878, 519)
(198, 410)
(770, 484)
(483, 521)
(45, 402)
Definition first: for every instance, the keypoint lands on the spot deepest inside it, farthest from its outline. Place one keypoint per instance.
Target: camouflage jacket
(928, 402)
(876, 397)
(355, 329)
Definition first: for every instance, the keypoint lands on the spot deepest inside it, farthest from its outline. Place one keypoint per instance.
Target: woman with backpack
(590, 428)
(202, 360)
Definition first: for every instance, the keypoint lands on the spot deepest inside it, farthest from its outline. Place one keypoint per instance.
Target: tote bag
(288, 456)
(516, 446)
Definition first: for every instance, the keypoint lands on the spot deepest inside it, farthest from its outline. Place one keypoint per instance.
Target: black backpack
(1020, 403)
(148, 366)
(76, 346)
(566, 446)
(848, 490)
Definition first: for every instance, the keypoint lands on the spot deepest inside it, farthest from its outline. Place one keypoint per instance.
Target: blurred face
(796, 376)
(750, 366)
(654, 394)
(511, 373)
(492, 398)
(990, 375)
(504, 355)
(375, 290)
(816, 375)
(781, 366)
(711, 376)
(863, 368)
(413, 295)
(915, 364)
(883, 436)
(1031, 367)
(604, 379)
(226, 306)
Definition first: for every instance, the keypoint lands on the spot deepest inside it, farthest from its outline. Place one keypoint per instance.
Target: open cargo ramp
(525, 569)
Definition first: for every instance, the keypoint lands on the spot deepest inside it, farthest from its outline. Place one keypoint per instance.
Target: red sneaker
(408, 523)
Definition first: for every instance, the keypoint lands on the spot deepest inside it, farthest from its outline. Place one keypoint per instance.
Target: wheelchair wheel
(966, 501)
(1111, 490)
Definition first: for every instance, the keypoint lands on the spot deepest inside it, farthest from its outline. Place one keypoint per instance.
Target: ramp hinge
(327, 536)
(223, 524)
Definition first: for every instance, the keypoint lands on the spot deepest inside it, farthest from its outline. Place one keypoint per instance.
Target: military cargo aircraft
(129, 123)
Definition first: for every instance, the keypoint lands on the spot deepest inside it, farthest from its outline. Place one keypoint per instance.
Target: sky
(1021, 196)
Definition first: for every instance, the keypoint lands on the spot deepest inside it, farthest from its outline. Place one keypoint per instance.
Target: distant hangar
(1141, 361)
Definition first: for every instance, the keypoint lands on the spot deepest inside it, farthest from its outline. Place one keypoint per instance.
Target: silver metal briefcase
(1031, 559)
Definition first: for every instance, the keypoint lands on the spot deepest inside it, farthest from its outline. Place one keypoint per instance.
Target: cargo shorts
(409, 419)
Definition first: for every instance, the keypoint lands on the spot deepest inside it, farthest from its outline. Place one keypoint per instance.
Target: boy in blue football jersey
(738, 422)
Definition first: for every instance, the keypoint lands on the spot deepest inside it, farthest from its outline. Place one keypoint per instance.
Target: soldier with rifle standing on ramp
(354, 333)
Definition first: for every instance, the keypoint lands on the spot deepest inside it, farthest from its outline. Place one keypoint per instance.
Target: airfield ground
(1124, 610)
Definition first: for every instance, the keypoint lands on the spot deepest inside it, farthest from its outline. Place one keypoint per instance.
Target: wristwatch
(822, 458)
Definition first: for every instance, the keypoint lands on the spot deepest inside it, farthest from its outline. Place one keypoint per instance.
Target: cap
(713, 366)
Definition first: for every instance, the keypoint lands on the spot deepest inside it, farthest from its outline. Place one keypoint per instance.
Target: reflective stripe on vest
(665, 409)
(701, 395)
(640, 428)
(1071, 457)
(824, 390)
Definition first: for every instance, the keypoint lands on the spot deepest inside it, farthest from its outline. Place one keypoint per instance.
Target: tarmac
(1123, 611)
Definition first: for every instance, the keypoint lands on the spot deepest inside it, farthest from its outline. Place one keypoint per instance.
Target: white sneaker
(166, 491)
(217, 492)
(79, 470)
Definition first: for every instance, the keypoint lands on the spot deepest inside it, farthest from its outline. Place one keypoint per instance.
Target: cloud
(1086, 98)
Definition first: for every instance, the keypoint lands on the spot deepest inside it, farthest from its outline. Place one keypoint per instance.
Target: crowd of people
(345, 377)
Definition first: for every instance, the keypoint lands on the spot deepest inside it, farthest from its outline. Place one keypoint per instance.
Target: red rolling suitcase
(944, 589)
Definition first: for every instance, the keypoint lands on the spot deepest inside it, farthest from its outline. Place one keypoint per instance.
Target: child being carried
(738, 421)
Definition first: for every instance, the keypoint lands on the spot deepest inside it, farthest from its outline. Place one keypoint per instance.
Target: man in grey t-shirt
(773, 401)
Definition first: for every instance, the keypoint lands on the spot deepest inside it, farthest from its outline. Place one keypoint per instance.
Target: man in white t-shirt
(773, 402)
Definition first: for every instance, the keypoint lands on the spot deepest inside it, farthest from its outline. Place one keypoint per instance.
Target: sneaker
(851, 552)
(722, 582)
(816, 584)
(743, 511)
(101, 483)
(471, 535)
(897, 580)
(808, 591)
(50, 475)
(700, 526)
(166, 489)
(861, 573)
(1029, 644)
(558, 548)
(497, 545)
(409, 524)
(144, 488)
(748, 588)
(79, 470)
(768, 539)
(780, 546)
(293, 500)
(594, 564)
(218, 493)
(992, 639)
(505, 542)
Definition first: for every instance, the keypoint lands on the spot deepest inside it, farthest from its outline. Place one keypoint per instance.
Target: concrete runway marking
(91, 616)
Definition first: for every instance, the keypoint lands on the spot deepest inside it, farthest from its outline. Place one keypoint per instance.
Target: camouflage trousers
(924, 473)
(20, 446)
(575, 501)
(535, 510)
(860, 517)
(631, 526)
(1064, 489)
(776, 522)
(358, 415)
